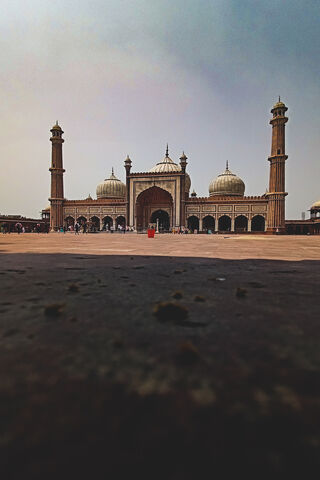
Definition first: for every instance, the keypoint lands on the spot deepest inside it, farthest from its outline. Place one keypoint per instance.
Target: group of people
(5, 228)
(183, 230)
(120, 228)
(78, 228)
(20, 228)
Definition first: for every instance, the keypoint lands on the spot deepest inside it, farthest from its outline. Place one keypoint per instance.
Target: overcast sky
(128, 76)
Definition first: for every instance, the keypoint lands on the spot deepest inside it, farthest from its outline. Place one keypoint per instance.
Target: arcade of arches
(95, 223)
(225, 223)
(159, 212)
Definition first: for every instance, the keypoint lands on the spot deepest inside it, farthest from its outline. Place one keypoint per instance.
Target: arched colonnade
(227, 223)
(102, 222)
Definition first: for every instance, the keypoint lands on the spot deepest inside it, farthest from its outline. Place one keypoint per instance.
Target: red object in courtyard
(151, 232)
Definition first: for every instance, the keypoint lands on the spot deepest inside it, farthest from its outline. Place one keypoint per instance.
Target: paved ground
(208, 246)
(177, 357)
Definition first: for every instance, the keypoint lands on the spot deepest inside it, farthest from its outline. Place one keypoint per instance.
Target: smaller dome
(111, 187)
(56, 126)
(316, 205)
(227, 183)
(278, 104)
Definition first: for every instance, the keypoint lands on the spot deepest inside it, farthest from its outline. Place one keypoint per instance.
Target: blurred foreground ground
(178, 357)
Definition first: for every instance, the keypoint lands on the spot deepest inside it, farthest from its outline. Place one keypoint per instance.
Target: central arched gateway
(148, 205)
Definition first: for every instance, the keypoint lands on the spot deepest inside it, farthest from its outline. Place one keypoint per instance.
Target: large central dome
(167, 166)
(227, 183)
(111, 187)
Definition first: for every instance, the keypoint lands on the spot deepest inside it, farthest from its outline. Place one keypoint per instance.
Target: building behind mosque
(161, 196)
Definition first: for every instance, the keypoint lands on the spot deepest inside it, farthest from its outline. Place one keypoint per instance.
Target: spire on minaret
(183, 157)
(167, 151)
(127, 165)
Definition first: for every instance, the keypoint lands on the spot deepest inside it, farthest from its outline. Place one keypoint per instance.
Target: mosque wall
(216, 211)
(233, 209)
(99, 211)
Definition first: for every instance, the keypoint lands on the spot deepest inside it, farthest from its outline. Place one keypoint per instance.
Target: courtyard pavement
(177, 357)
(209, 246)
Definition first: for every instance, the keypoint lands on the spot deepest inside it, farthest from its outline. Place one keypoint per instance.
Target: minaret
(57, 171)
(277, 159)
(127, 166)
(183, 164)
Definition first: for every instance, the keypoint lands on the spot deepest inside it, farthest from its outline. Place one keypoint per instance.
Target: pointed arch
(258, 223)
(224, 223)
(241, 223)
(193, 223)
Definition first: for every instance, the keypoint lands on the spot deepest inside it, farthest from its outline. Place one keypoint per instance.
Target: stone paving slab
(171, 358)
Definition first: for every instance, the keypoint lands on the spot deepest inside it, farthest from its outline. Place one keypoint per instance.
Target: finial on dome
(57, 124)
(279, 98)
(227, 165)
(167, 151)
(112, 171)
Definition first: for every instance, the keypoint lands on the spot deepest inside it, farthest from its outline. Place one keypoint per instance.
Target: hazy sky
(128, 76)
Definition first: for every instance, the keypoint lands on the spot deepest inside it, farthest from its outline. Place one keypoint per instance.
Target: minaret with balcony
(56, 198)
(277, 159)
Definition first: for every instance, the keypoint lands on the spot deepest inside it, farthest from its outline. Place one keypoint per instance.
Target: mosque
(161, 196)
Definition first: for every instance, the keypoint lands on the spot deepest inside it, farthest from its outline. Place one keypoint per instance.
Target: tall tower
(127, 166)
(277, 159)
(57, 171)
(183, 164)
